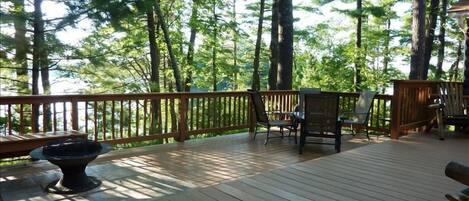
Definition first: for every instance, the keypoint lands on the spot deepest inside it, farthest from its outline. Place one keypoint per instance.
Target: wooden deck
(236, 168)
(409, 169)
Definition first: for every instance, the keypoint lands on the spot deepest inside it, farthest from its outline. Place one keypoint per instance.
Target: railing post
(395, 111)
(183, 107)
(74, 115)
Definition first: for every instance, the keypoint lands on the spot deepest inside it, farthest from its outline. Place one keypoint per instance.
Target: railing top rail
(33, 99)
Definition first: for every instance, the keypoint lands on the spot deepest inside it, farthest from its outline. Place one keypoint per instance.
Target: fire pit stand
(72, 156)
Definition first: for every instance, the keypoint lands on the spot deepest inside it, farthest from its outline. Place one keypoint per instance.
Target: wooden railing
(410, 105)
(124, 118)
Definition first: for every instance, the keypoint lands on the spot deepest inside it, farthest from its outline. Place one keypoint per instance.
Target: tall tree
(430, 36)
(418, 40)
(358, 45)
(235, 47)
(256, 85)
(274, 49)
(169, 46)
(214, 45)
(21, 47)
(441, 39)
(284, 74)
(190, 49)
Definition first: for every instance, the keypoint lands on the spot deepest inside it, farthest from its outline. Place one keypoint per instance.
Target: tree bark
(358, 45)
(418, 40)
(441, 39)
(214, 47)
(190, 50)
(466, 60)
(386, 52)
(284, 76)
(21, 48)
(235, 48)
(256, 85)
(38, 56)
(172, 57)
(155, 72)
(430, 36)
(274, 50)
(454, 69)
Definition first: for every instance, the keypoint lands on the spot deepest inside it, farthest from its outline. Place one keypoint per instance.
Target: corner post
(395, 111)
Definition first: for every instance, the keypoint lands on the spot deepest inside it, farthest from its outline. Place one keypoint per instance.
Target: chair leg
(255, 133)
(281, 131)
(296, 136)
(338, 142)
(267, 136)
(302, 143)
(367, 134)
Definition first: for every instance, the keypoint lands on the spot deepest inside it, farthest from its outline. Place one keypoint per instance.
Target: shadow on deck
(222, 167)
(159, 170)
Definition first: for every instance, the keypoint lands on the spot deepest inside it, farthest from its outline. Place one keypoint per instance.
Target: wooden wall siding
(124, 118)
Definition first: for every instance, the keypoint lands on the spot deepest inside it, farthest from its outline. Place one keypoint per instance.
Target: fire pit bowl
(72, 156)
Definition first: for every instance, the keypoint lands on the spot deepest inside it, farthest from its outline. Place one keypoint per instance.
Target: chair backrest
(302, 93)
(321, 113)
(259, 106)
(363, 106)
(451, 96)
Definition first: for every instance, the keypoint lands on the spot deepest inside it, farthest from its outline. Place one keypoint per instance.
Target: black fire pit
(72, 156)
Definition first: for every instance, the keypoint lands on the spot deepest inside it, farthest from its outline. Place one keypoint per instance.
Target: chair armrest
(436, 106)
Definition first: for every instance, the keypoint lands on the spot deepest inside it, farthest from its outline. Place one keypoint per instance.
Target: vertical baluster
(230, 117)
(113, 120)
(209, 113)
(86, 117)
(129, 131)
(55, 116)
(104, 120)
(65, 115)
(121, 120)
(244, 110)
(44, 117)
(9, 120)
(378, 114)
(21, 119)
(144, 117)
(191, 120)
(239, 110)
(197, 121)
(95, 120)
(224, 111)
(166, 115)
(137, 118)
(219, 112)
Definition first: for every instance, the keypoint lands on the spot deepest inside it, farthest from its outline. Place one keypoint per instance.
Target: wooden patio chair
(321, 120)
(262, 117)
(451, 109)
(359, 118)
(299, 108)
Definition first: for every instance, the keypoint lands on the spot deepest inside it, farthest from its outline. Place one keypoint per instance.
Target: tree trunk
(235, 48)
(466, 60)
(256, 85)
(284, 75)
(190, 50)
(453, 71)
(38, 56)
(21, 48)
(214, 47)
(274, 50)
(386, 52)
(358, 45)
(172, 57)
(441, 39)
(418, 37)
(155, 72)
(430, 36)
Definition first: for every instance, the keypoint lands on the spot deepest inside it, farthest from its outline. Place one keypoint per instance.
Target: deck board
(408, 169)
(231, 168)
